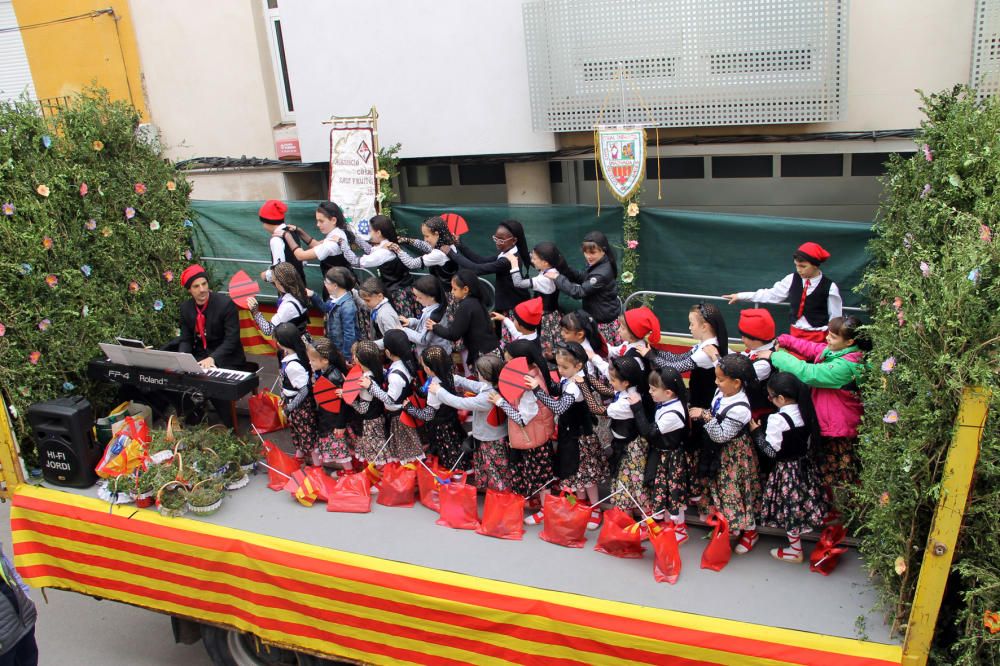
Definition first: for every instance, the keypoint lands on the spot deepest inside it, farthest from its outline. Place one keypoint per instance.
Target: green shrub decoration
(934, 298)
(94, 231)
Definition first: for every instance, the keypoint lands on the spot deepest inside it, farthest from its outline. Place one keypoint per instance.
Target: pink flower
(133, 286)
(3, 330)
(90, 225)
(84, 189)
(8, 209)
(34, 357)
(925, 269)
(44, 324)
(51, 280)
(47, 243)
(926, 190)
(985, 234)
(140, 188)
(168, 276)
(889, 364)
(129, 213)
(891, 416)
(928, 155)
(632, 244)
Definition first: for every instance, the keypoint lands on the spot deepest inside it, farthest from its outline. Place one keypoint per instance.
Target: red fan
(326, 395)
(241, 287)
(511, 382)
(352, 385)
(456, 224)
(412, 421)
(554, 374)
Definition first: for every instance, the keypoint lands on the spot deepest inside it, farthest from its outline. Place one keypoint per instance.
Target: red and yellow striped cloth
(372, 610)
(255, 342)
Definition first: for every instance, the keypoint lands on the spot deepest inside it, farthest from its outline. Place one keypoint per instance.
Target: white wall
(449, 77)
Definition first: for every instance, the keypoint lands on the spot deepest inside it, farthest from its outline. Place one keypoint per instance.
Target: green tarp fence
(680, 251)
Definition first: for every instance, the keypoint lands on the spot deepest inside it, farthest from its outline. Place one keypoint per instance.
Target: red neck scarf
(199, 323)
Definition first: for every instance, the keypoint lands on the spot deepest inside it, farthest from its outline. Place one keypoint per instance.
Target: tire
(228, 647)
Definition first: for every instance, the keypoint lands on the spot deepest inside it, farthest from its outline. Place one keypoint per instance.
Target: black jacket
(222, 332)
(597, 287)
(507, 294)
(470, 323)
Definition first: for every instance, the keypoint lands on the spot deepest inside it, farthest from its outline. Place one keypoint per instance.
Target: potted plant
(235, 476)
(149, 482)
(250, 452)
(206, 496)
(117, 489)
(171, 499)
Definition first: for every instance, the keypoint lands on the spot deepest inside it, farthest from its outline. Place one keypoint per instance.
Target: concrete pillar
(528, 182)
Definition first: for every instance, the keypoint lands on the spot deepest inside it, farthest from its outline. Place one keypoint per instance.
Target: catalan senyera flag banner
(372, 610)
(255, 342)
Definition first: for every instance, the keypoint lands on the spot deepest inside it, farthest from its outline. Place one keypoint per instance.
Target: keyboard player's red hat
(192, 273)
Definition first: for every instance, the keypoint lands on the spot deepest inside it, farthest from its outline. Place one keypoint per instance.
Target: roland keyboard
(213, 383)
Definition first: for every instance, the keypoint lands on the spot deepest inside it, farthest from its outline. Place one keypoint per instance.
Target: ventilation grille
(986, 49)
(684, 63)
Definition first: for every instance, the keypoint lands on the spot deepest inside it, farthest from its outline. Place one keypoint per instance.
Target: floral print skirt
(530, 469)
(368, 446)
(302, 422)
(549, 332)
(793, 499)
(491, 465)
(405, 445)
(631, 476)
(444, 439)
(735, 490)
(593, 465)
(671, 487)
(334, 448)
(836, 461)
(610, 332)
(404, 302)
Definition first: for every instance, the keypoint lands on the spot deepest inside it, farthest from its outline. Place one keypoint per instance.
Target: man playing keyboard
(210, 331)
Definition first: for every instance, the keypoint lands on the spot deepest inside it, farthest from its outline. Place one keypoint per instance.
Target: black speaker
(66, 448)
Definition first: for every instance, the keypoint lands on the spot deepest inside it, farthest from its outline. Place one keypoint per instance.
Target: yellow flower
(97, 146)
(171, 186)
(382, 174)
(633, 209)
(884, 499)
(43, 190)
(900, 565)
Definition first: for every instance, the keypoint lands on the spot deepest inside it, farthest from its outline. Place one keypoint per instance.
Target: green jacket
(831, 369)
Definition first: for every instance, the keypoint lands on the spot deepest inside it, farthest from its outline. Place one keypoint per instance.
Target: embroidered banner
(352, 175)
(623, 159)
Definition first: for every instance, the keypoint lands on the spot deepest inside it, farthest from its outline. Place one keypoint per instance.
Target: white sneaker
(534, 519)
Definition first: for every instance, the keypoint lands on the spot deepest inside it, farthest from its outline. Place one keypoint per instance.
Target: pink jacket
(832, 376)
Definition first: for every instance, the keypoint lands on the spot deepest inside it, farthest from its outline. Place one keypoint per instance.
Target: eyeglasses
(500, 240)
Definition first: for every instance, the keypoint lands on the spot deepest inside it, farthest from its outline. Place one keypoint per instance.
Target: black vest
(301, 319)
(291, 244)
(576, 422)
(758, 392)
(794, 442)
(444, 273)
(550, 302)
(286, 383)
(326, 421)
(395, 275)
(701, 387)
(815, 311)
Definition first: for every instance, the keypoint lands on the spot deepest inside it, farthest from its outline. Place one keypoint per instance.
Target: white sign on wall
(352, 175)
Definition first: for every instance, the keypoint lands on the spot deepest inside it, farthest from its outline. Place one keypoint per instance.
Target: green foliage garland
(934, 287)
(93, 224)
(629, 268)
(388, 168)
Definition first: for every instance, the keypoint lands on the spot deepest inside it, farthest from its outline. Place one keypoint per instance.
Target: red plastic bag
(619, 535)
(666, 554)
(429, 482)
(719, 550)
(280, 461)
(503, 516)
(136, 428)
(321, 482)
(826, 555)
(565, 521)
(351, 493)
(459, 508)
(266, 415)
(398, 486)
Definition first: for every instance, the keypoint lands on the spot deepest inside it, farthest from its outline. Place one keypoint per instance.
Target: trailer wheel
(228, 647)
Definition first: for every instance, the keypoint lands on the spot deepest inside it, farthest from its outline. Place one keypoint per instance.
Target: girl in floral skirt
(489, 423)
(545, 256)
(630, 448)
(331, 449)
(667, 463)
(728, 459)
(379, 254)
(444, 432)
(579, 463)
(296, 389)
(369, 442)
(405, 446)
(792, 497)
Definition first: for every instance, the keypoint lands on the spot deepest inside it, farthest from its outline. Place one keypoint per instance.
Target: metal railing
(268, 298)
(701, 297)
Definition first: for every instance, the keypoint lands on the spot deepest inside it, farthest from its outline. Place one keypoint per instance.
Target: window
(555, 172)
(676, 168)
(811, 166)
(428, 176)
(743, 166)
(278, 61)
(872, 164)
(482, 174)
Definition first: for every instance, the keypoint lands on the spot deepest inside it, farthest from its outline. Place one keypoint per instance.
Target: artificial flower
(106, 232)
(188, 223)
(24, 390)
(90, 225)
(908, 241)
(154, 225)
(889, 364)
(129, 213)
(13, 411)
(85, 311)
(627, 277)
(34, 357)
(380, 197)
(633, 209)
(44, 324)
(43, 190)
(68, 386)
(382, 174)
(171, 186)
(48, 243)
(883, 499)
(188, 254)
(3, 330)
(900, 565)
(955, 180)
(51, 280)
(140, 188)
(974, 275)
(928, 155)
(985, 234)
(632, 244)
(25, 269)
(157, 305)
(133, 286)
(86, 270)
(926, 190)
(925, 269)
(8, 209)
(46, 140)
(991, 621)
(168, 276)
(891, 416)
(97, 146)
(84, 189)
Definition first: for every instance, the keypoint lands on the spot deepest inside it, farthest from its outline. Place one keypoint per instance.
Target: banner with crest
(622, 154)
